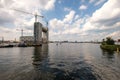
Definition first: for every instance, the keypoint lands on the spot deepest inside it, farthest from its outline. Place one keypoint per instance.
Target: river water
(66, 61)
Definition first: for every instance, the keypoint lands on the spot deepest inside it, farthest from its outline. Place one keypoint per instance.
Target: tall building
(37, 33)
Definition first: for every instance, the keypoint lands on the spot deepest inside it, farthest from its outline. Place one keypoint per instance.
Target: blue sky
(62, 7)
(74, 20)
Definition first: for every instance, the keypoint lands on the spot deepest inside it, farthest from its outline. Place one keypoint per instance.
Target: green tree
(110, 41)
(103, 42)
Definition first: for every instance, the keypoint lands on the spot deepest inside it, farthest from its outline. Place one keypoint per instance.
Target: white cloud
(13, 19)
(50, 4)
(56, 24)
(64, 28)
(104, 14)
(104, 22)
(68, 18)
(6, 16)
(67, 9)
(83, 7)
(91, 1)
(104, 19)
(101, 24)
(34, 4)
(76, 17)
(99, 2)
(114, 35)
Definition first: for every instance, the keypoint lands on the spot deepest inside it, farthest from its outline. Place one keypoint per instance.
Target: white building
(26, 38)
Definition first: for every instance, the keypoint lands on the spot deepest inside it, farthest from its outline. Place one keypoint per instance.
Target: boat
(6, 45)
(22, 45)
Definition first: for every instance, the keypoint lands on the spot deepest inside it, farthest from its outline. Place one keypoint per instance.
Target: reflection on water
(67, 61)
(108, 54)
(40, 63)
(59, 69)
(40, 53)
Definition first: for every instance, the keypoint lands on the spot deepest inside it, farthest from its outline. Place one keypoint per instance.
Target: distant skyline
(73, 20)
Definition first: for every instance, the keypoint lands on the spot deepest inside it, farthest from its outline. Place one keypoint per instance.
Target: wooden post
(118, 50)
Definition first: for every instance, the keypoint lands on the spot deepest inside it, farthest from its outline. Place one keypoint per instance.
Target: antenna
(36, 15)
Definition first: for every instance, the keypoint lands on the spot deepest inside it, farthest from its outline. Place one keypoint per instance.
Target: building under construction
(40, 35)
(40, 32)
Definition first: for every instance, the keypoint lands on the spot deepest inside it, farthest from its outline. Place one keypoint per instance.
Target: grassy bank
(110, 47)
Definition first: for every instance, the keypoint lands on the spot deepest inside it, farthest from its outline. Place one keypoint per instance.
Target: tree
(110, 41)
(103, 42)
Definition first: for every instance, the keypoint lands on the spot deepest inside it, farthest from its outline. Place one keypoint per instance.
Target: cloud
(69, 17)
(33, 4)
(99, 2)
(101, 24)
(114, 35)
(50, 4)
(104, 19)
(56, 24)
(91, 1)
(6, 16)
(104, 16)
(76, 17)
(83, 7)
(67, 9)
(14, 19)
(104, 22)
(65, 27)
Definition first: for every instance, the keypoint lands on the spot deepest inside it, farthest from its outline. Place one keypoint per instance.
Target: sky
(72, 20)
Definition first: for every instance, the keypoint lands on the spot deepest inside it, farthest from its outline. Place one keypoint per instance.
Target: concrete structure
(37, 33)
(40, 33)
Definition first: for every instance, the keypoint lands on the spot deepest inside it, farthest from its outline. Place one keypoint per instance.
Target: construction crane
(21, 31)
(36, 15)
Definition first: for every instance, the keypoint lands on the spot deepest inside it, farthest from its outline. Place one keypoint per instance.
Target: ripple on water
(65, 62)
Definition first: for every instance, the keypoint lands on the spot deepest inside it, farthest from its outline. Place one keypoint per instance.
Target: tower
(37, 33)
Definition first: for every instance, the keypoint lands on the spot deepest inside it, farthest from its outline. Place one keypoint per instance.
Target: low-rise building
(27, 39)
(30, 40)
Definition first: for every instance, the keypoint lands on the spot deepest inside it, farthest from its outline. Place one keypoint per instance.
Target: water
(68, 61)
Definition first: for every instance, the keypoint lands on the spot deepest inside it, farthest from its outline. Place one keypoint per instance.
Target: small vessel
(22, 45)
(6, 45)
